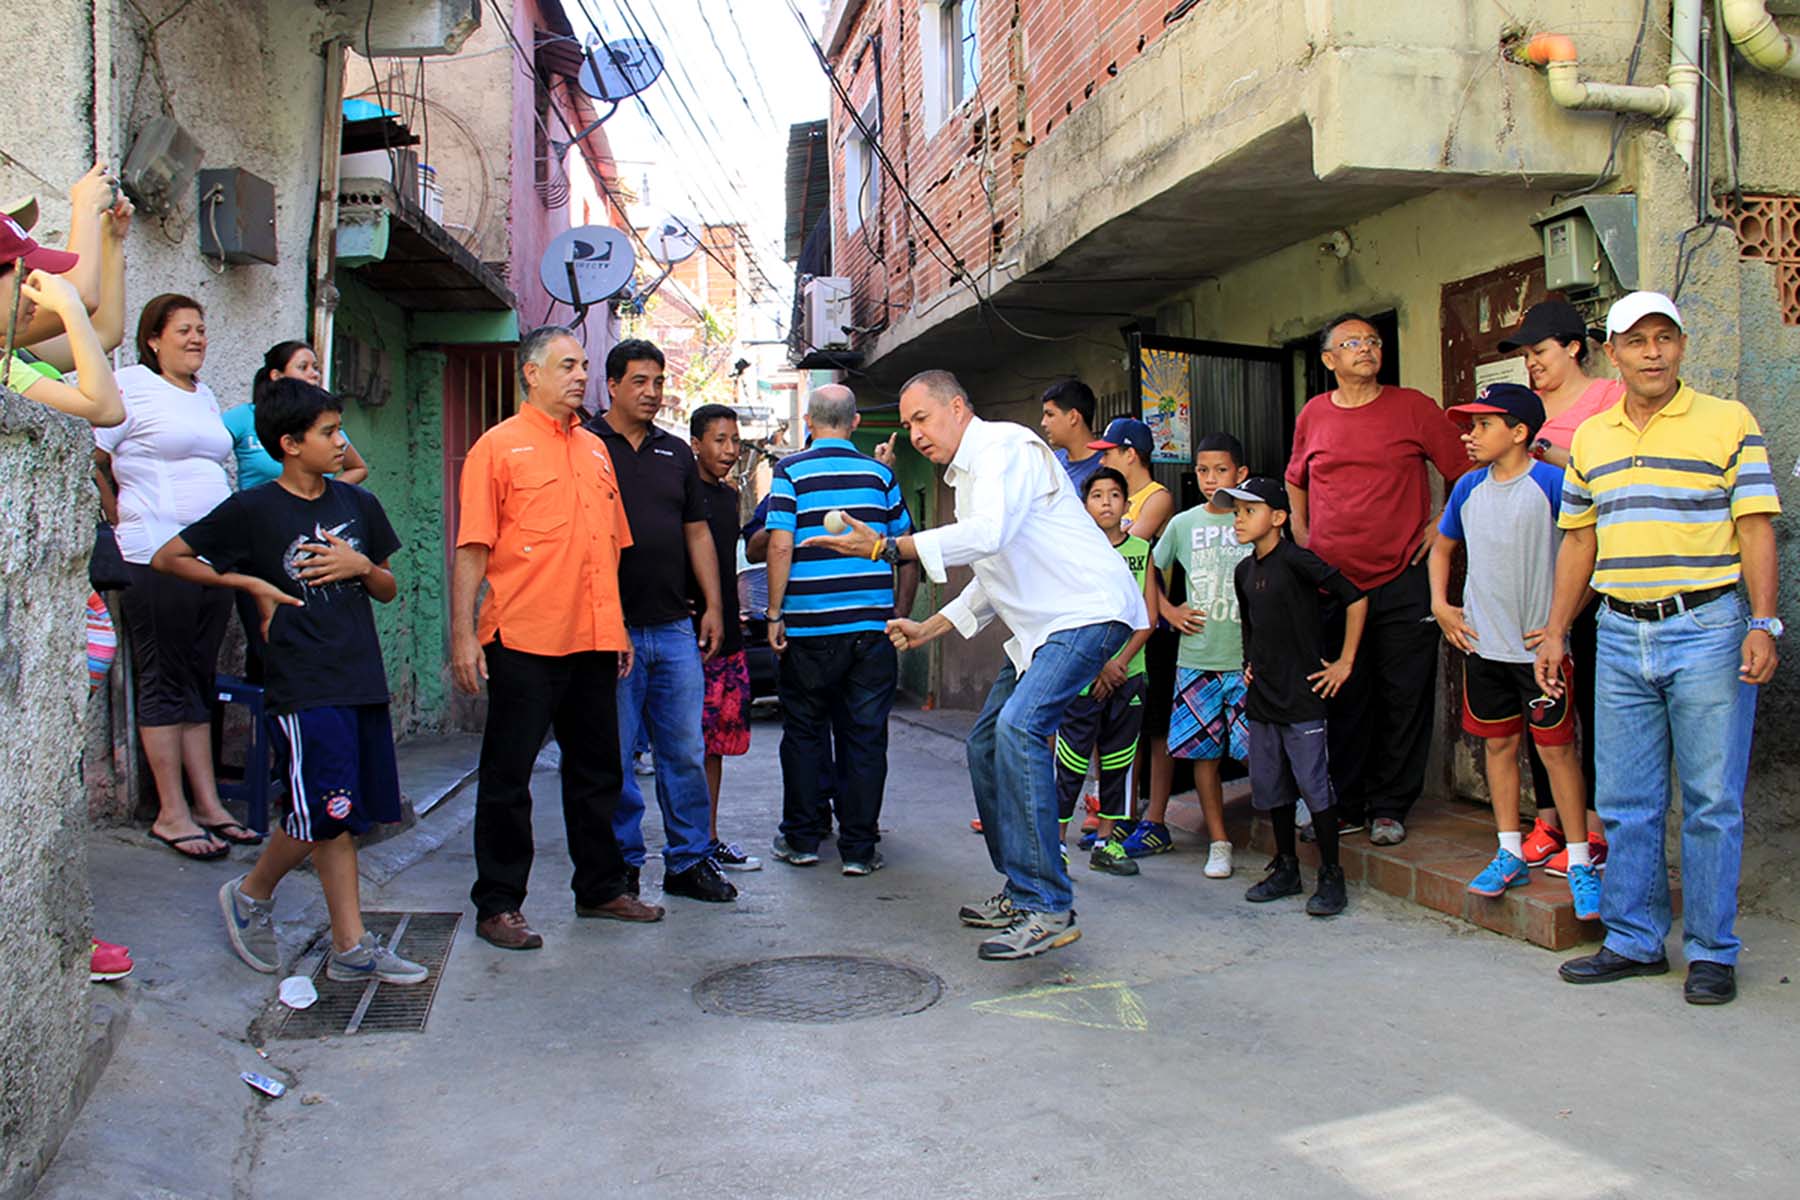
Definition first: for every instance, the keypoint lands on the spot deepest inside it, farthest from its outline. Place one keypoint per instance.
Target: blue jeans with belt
(664, 694)
(1013, 770)
(1671, 688)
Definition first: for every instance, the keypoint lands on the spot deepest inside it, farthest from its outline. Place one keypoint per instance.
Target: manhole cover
(818, 989)
(374, 1007)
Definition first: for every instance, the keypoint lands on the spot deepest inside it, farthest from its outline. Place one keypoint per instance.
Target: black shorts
(340, 770)
(1289, 763)
(1501, 698)
(1159, 681)
(1107, 730)
(173, 629)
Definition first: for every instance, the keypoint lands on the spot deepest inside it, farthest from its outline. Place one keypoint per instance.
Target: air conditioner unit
(827, 309)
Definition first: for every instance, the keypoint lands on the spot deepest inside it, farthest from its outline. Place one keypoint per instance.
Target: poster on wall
(1167, 391)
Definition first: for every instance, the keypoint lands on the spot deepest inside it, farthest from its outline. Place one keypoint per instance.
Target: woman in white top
(167, 466)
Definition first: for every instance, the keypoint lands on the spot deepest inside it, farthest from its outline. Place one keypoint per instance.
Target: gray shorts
(1288, 762)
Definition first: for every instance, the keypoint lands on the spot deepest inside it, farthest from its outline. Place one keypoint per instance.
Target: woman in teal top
(255, 464)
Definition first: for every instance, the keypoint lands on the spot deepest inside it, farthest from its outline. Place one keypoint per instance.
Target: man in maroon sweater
(1361, 497)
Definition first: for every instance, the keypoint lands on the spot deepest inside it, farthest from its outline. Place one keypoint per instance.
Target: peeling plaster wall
(43, 857)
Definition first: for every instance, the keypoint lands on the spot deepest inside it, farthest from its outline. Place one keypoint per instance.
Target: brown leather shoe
(509, 931)
(623, 907)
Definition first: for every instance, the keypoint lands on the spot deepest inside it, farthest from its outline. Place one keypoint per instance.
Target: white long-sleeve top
(1041, 564)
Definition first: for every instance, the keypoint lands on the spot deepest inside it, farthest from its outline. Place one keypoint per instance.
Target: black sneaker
(1329, 900)
(1283, 879)
(701, 881)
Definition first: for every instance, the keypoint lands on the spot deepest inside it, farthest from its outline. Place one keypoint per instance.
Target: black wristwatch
(890, 551)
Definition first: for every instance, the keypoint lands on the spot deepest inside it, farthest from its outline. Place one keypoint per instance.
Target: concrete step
(1447, 843)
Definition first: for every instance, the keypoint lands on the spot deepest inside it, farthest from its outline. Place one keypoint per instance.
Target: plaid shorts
(1208, 722)
(726, 717)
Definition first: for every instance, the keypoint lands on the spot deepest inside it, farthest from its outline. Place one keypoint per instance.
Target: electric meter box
(236, 216)
(1571, 254)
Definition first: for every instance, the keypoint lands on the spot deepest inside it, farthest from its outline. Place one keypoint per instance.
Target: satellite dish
(615, 70)
(673, 240)
(586, 265)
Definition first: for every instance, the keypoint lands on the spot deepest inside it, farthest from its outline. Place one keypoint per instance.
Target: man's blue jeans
(1013, 770)
(1671, 687)
(664, 694)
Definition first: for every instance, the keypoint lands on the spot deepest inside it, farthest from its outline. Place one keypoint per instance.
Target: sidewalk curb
(109, 1012)
(447, 817)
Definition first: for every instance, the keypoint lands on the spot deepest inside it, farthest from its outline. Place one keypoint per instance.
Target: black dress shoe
(631, 879)
(1606, 966)
(1710, 983)
(702, 881)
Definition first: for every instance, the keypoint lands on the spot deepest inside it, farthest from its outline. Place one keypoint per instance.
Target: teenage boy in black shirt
(312, 552)
(1278, 588)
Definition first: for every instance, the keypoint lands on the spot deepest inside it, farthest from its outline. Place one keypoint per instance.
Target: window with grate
(1768, 229)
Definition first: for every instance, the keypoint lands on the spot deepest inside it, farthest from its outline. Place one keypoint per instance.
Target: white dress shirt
(1041, 564)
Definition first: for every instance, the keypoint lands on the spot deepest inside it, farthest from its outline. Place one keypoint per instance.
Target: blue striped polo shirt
(827, 592)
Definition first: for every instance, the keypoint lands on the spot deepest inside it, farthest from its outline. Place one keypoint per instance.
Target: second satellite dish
(586, 265)
(616, 70)
(673, 240)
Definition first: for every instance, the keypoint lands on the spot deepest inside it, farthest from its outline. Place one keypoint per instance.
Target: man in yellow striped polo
(1667, 506)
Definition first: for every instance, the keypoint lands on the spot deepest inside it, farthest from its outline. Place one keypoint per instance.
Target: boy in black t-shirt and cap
(1278, 587)
(311, 551)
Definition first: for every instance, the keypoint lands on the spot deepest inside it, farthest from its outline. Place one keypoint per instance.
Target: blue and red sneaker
(1507, 870)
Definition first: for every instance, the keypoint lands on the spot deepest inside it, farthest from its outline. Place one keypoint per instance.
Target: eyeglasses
(1371, 342)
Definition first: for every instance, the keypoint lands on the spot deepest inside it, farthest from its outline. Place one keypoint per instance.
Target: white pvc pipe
(1684, 75)
(1754, 32)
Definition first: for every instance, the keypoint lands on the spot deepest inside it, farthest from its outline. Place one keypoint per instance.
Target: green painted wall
(403, 443)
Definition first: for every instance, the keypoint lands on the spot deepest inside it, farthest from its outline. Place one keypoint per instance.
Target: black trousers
(529, 695)
(1378, 726)
(1584, 638)
(843, 682)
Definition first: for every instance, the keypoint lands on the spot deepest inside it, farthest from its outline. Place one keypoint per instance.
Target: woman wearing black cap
(1554, 338)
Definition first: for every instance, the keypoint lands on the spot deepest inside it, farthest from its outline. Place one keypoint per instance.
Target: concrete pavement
(1188, 1044)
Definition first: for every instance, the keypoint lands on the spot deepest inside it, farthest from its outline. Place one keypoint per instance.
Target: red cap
(16, 246)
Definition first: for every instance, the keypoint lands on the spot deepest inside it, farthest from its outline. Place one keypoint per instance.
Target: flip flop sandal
(176, 845)
(250, 837)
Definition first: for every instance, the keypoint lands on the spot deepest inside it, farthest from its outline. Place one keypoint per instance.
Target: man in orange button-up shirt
(543, 524)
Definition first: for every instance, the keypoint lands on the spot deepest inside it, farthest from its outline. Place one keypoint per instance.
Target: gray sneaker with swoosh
(250, 924)
(370, 959)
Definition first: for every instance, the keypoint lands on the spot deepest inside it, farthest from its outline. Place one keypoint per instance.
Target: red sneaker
(975, 825)
(1544, 842)
(107, 963)
(1559, 865)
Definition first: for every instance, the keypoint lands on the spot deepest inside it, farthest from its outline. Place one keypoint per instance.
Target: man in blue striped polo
(828, 620)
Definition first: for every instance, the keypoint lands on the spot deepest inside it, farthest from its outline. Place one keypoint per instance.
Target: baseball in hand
(835, 521)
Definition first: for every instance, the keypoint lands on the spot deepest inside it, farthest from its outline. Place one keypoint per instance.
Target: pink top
(1597, 397)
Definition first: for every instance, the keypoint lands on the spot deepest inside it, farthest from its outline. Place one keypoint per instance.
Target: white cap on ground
(1631, 309)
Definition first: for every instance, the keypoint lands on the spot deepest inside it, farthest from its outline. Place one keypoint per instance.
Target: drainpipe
(1757, 37)
(331, 135)
(1675, 100)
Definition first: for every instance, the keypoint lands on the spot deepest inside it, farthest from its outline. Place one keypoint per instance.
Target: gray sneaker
(250, 924)
(996, 912)
(793, 857)
(866, 866)
(1385, 831)
(1031, 934)
(369, 959)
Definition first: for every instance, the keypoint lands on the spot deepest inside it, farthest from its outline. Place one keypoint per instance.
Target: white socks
(1513, 843)
(1579, 854)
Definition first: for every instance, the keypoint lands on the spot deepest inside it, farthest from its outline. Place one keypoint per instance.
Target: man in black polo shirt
(666, 688)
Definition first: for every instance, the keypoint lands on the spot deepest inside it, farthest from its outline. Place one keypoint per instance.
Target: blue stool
(252, 790)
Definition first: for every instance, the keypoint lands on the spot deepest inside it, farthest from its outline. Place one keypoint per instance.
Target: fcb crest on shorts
(337, 806)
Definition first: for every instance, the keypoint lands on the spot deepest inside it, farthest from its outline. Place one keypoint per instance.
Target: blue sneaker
(1584, 889)
(1507, 870)
(1087, 839)
(1150, 837)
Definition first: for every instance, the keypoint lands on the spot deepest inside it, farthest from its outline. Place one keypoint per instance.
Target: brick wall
(1040, 61)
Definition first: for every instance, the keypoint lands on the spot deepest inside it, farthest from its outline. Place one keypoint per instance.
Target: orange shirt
(544, 500)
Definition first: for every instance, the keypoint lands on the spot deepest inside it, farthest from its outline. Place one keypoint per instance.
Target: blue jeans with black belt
(1671, 688)
(1013, 770)
(664, 694)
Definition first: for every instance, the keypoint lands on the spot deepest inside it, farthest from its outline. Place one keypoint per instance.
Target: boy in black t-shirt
(311, 551)
(1278, 588)
(725, 715)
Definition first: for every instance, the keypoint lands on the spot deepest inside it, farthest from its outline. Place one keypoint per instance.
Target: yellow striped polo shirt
(1663, 499)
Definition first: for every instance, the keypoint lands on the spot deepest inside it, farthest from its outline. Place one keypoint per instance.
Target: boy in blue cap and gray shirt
(1504, 514)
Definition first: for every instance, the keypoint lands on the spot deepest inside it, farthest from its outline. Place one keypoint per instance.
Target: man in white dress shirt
(1047, 572)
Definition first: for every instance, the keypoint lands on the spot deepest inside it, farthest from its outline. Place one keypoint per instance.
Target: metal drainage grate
(345, 1008)
(818, 989)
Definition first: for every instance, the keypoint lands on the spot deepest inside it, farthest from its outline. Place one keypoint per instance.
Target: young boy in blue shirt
(312, 552)
(1504, 514)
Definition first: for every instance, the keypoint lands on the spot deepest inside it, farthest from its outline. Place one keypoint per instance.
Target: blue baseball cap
(1513, 400)
(1125, 431)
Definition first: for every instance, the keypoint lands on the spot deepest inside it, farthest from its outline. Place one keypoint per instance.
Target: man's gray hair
(534, 348)
(832, 406)
(941, 386)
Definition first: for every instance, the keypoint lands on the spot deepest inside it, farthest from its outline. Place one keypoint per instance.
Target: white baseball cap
(1631, 309)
